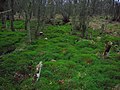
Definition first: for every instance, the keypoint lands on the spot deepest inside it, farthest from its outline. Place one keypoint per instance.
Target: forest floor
(110, 27)
(69, 62)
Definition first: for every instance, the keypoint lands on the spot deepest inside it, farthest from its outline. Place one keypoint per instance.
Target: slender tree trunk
(2, 15)
(27, 26)
(84, 30)
(12, 15)
(28, 18)
(26, 21)
(3, 21)
(29, 31)
(38, 22)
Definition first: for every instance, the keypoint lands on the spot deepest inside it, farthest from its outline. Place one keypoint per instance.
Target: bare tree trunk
(3, 21)
(38, 22)
(2, 13)
(107, 49)
(28, 13)
(12, 15)
(29, 31)
(40, 19)
(27, 26)
(26, 21)
(84, 28)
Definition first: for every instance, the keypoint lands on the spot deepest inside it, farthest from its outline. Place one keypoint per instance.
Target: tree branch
(6, 11)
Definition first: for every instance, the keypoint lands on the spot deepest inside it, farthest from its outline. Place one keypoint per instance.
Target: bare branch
(6, 11)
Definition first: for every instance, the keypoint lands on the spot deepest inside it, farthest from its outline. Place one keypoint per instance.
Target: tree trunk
(27, 26)
(38, 23)
(28, 18)
(107, 49)
(84, 28)
(26, 21)
(3, 21)
(2, 4)
(12, 15)
(29, 31)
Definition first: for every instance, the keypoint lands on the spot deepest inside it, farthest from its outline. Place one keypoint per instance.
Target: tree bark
(107, 49)
(38, 22)
(2, 5)
(3, 21)
(12, 15)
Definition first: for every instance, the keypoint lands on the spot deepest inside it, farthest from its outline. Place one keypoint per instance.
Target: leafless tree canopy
(44, 11)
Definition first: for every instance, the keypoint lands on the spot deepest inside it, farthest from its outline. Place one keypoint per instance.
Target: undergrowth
(69, 62)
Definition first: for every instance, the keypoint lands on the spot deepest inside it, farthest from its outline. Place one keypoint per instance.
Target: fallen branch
(38, 74)
(38, 71)
(6, 11)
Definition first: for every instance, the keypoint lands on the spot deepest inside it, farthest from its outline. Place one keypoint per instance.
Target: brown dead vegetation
(111, 28)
